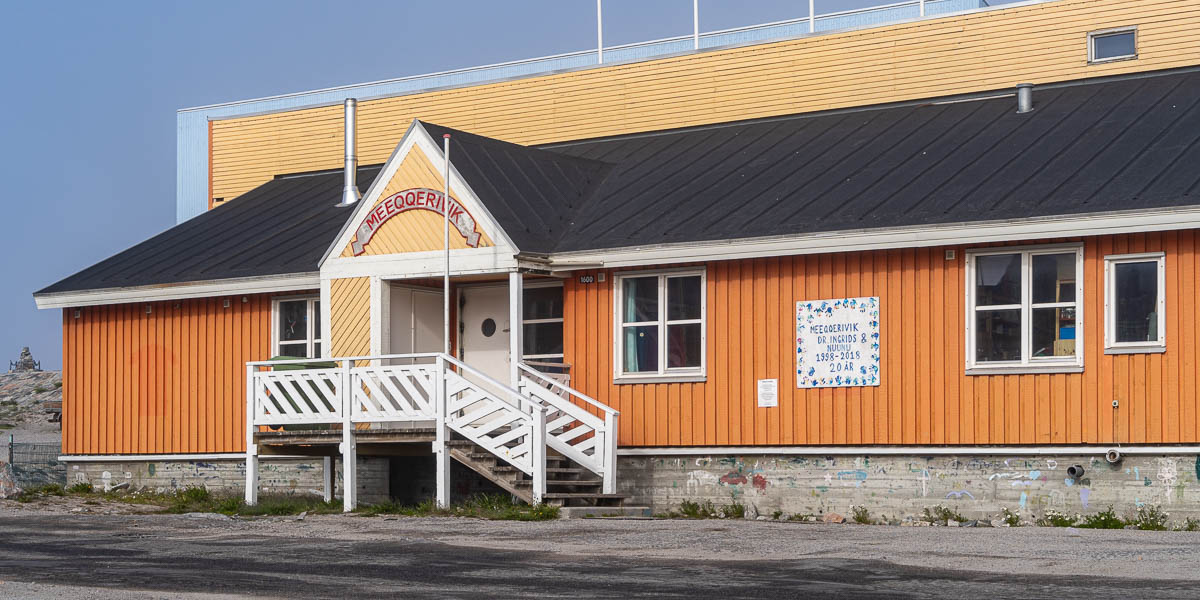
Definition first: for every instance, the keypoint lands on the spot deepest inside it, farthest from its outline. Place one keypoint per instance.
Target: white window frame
(1028, 363)
(312, 337)
(1111, 346)
(560, 320)
(1091, 44)
(664, 374)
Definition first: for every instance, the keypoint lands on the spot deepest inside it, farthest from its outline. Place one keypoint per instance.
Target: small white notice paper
(768, 393)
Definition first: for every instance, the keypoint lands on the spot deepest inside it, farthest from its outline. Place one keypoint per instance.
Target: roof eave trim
(1063, 226)
(180, 291)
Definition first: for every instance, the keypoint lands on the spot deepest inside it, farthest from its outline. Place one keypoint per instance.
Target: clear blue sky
(87, 112)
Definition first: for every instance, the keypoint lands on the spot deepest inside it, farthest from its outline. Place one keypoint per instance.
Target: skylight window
(1112, 44)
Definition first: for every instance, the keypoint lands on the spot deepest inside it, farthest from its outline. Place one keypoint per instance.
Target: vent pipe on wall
(1024, 97)
(350, 193)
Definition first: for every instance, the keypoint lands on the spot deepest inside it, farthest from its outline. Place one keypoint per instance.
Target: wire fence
(35, 464)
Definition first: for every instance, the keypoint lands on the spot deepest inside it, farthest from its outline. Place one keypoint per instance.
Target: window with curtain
(661, 324)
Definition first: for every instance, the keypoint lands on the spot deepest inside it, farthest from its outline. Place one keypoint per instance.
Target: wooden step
(506, 468)
(572, 499)
(578, 482)
(528, 483)
(584, 495)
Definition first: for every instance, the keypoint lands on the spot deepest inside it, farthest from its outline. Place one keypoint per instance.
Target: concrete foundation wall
(900, 486)
(276, 476)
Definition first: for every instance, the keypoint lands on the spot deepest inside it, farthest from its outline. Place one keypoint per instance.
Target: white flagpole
(446, 246)
(599, 32)
(695, 24)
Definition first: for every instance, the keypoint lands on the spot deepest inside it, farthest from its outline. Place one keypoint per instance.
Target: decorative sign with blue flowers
(837, 343)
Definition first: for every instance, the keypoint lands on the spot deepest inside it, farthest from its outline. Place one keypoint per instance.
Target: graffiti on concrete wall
(905, 484)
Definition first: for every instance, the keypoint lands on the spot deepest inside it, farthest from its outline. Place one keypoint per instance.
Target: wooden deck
(324, 442)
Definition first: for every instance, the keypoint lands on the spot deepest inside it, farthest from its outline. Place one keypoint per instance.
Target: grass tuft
(81, 487)
(861, 515)
(1105, 519)
(1149, 518)
(497, 507)
(1011, 518)
(40, 491)
(942, 513)
(1053, 518)
(690, 509)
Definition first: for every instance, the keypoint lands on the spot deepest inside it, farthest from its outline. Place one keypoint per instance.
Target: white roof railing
(873, 16)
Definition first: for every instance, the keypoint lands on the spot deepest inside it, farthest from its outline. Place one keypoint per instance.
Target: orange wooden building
(876, 241)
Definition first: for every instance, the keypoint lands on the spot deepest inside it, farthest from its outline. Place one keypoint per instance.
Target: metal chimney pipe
(350, 193)
(1024, 97)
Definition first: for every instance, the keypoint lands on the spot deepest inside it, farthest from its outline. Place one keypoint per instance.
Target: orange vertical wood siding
(171, 381)
(925, 397)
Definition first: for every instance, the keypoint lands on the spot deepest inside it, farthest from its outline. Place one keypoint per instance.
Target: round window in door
(488, 328)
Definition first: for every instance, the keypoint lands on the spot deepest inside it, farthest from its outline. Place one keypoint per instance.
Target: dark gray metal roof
(531, 193)
(1095, 147)
(1088, 147)
(281, 227)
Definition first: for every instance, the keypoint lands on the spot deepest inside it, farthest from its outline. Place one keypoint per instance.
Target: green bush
(1105, 519)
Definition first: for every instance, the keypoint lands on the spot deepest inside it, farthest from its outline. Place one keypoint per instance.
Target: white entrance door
(415, 320)
(485, 330)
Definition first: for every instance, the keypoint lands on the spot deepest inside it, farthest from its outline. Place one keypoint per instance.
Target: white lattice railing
(295, 395)
(572, 428)
(394, 393)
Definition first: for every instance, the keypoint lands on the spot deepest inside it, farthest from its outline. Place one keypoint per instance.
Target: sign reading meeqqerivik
(414, 199)
(837, 342)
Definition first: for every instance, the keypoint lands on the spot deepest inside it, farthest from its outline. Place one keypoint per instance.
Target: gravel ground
(49, 551)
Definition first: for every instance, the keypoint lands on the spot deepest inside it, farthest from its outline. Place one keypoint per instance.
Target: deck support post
(349, 444)
(610, 453)
(251, 447)
(539, 453)
(516, 310)
(440, 448)
(327, 465)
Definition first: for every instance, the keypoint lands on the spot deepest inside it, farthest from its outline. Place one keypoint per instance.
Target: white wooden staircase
(544, 442)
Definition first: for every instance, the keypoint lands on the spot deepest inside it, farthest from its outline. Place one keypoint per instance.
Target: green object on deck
(315, 364)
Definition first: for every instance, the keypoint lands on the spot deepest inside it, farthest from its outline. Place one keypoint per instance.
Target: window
(660, 325)
(297, 330)
(1112, 45)
(542, 322)
(1023, 309)
(1134, 303)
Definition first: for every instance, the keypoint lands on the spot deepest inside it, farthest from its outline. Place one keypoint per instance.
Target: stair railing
(572, 429)
(495, 417)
